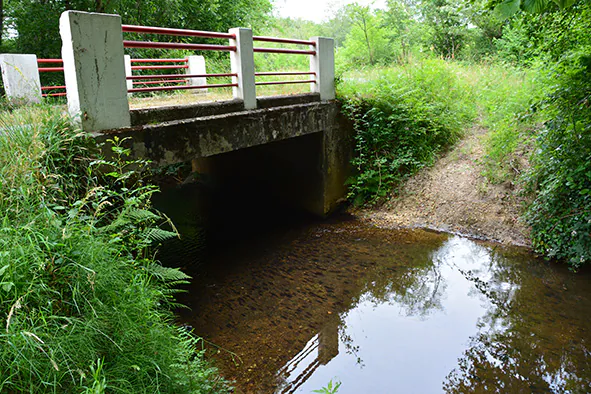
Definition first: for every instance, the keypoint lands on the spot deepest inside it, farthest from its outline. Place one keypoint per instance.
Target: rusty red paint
(50, 69)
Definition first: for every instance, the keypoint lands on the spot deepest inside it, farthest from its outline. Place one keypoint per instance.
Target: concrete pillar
(323, 65)
(197, 66)
(128, 72)
(242, 62)
(20, 76)
(94, 69)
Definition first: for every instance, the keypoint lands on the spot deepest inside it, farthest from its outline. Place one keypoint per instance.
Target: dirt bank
(453, 196)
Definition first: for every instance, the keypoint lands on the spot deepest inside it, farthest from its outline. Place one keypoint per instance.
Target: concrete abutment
(300, 153)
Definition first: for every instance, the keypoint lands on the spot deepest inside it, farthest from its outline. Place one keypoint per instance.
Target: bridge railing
(51, 90)
(99, 76)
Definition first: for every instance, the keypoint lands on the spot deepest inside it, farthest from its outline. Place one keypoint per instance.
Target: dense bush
(402, 117)
(560, 215)
(84, 306)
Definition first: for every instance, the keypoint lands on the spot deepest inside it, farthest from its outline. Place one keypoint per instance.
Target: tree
(366, 43)
(448, 25)
(37, 21)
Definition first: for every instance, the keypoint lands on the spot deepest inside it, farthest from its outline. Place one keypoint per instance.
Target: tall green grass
(403, 117)
(509, 100)
(84, 307)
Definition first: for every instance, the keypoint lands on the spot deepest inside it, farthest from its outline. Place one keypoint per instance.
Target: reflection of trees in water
(418, 289)
(530, 340)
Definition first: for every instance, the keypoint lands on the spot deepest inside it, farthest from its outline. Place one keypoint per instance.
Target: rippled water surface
(385, 311)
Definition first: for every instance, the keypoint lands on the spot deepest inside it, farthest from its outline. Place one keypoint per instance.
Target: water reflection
(385, 312)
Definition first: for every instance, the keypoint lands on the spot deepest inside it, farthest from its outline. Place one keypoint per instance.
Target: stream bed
(384, 311)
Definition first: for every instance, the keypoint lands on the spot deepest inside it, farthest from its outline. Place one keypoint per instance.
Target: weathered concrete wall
(21, 78)
(206, 136)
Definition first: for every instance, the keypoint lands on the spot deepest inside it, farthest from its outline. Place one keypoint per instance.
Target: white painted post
(20, 75)
(323, 65)
(197, 66)
(242, 62)
(128, 72)
(94, 69)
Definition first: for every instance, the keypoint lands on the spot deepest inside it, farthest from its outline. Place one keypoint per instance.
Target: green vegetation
(519, 69)
(84, 305)
(403, 117)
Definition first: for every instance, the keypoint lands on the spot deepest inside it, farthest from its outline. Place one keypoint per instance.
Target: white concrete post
(323, 65)
(94, 70)
(242, 62)
(20, 76)
(128, 72)
(197, 66)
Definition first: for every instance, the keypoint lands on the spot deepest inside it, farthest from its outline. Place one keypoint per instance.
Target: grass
(404, 116)
(84, 306)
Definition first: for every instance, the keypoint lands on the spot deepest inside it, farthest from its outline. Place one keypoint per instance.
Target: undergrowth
(83, 303)
(509, 101)
(403, 117)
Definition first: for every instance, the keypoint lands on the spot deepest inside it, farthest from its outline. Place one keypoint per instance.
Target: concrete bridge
(301, 142)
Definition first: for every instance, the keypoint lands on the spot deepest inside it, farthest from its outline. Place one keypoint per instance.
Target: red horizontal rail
(156, 67)
(49, 69)
(54, 94)
(174, 45)
(159, 82)
(284, 82)
(281, 50)
(52, 87)
(163, 88)
(174, 32)
(50, 61)
(185, 60)
(264, 74)
(167, 76)
(283, 40)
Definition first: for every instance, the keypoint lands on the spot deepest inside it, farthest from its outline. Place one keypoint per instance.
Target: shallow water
(385, 311)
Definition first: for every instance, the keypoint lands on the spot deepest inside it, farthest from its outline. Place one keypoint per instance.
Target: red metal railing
(284, 82)
(185, 60)
(178, 45)
(164, 88)
(160, 82)
(158, 67)
(175, 32)
(51, 69)
(311, 52)
(174, 78)
(283, 40)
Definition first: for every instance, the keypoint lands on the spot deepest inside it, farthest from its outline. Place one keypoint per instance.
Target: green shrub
(560, 215)
(84, 306)
(403, 117)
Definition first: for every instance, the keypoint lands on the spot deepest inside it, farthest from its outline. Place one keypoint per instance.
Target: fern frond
(159, 235)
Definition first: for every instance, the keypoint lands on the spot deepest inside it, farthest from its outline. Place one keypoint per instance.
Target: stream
(306, 302)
